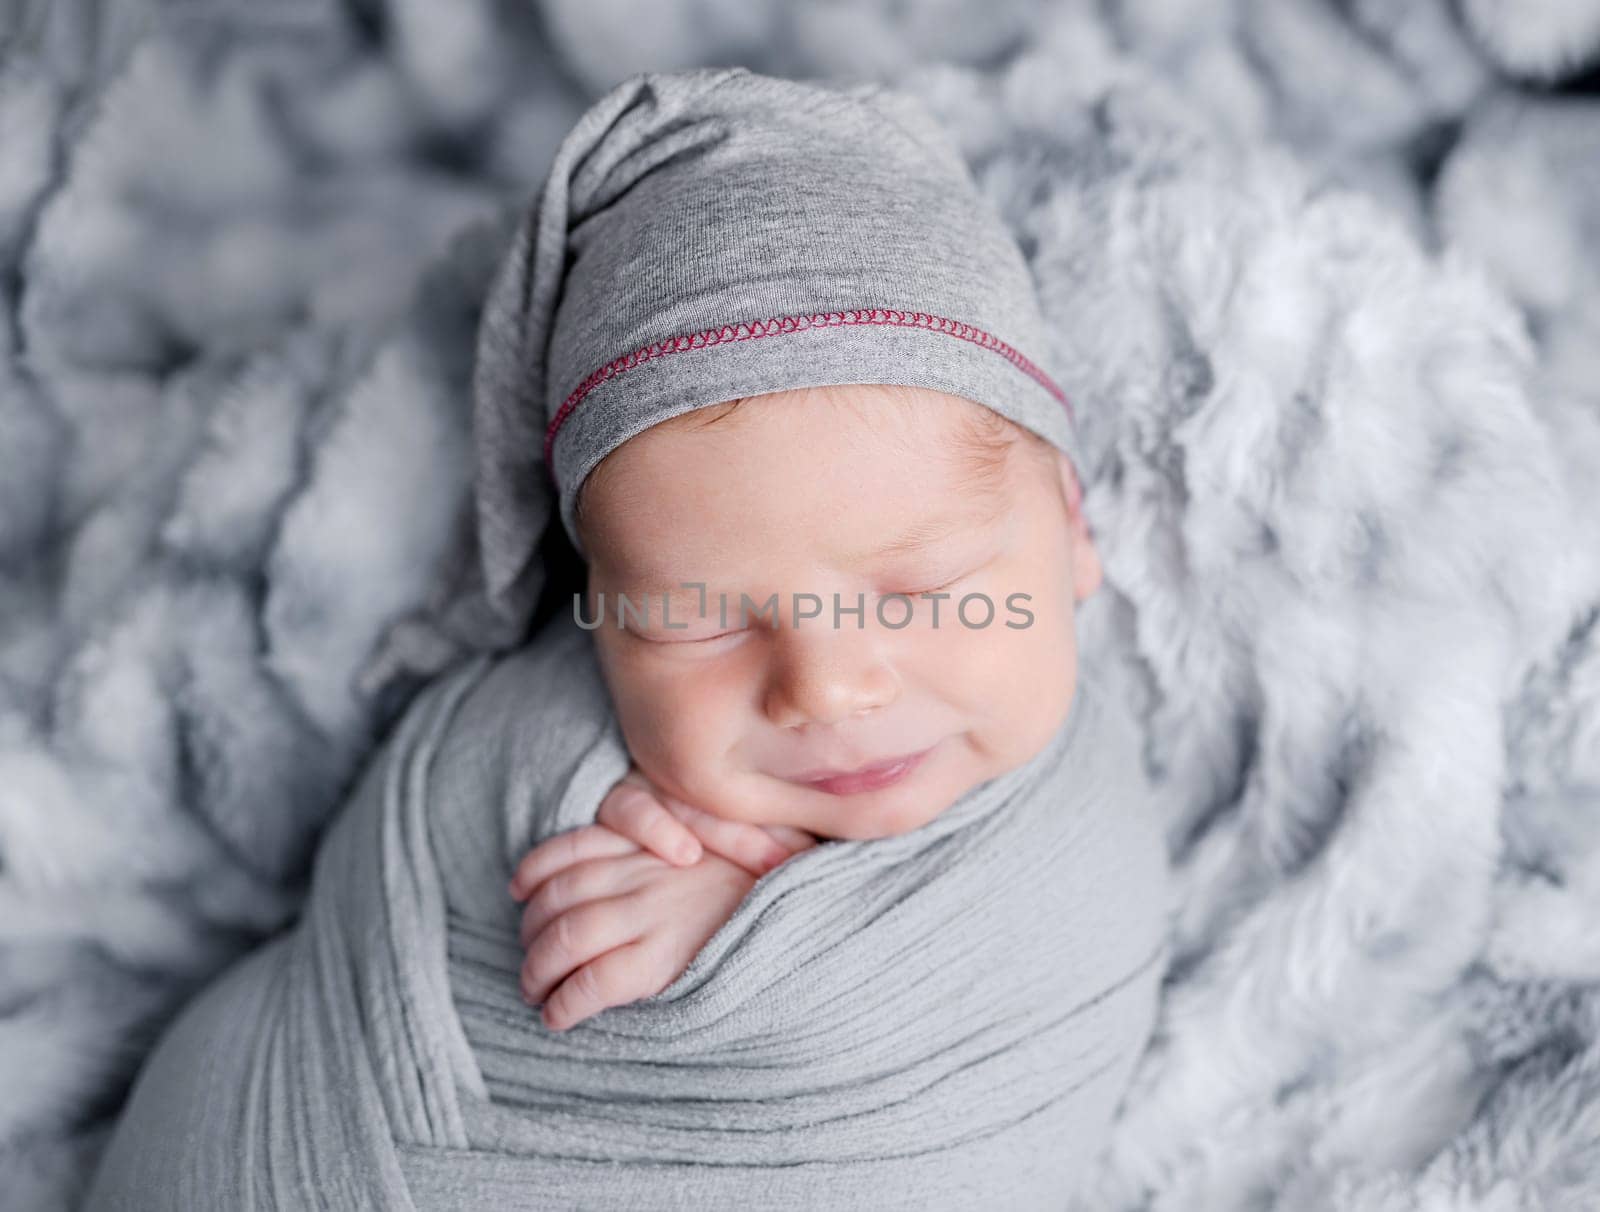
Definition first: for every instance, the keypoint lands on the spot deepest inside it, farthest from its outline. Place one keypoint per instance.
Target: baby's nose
(824, 676)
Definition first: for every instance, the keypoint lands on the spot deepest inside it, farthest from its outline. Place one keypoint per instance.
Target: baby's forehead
(939, 446)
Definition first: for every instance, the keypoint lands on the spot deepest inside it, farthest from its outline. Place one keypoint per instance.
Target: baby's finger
(610, 980)
(595, 880)
(750, 846)
(563, 850)
(795, 839)
(572, 939)
(637, 815)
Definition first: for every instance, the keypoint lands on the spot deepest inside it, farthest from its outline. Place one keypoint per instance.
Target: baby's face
(806, 493)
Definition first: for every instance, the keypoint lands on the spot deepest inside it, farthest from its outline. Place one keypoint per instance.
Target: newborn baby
(774, 354)
(762, 347)
(755, 735)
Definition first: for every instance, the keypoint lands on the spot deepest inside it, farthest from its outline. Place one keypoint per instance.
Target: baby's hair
(984, 441)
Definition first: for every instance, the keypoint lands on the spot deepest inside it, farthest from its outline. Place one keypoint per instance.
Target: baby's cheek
(1019, 680)
(997, 661)
(682, 734)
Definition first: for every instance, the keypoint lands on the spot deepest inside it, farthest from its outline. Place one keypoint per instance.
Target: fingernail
(687, 852)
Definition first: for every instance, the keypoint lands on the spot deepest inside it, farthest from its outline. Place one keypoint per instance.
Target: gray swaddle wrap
(931, 1020)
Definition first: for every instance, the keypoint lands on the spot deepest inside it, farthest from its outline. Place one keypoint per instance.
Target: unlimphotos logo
(893, 611)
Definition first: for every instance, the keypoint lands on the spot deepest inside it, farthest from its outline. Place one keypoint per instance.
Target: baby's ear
(1071, 489)
(1087, 572)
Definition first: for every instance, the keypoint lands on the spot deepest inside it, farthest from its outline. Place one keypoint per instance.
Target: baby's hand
(617, 924)
(569, 877)
(668, 827)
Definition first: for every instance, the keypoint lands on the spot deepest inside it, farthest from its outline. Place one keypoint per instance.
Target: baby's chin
(866, 822)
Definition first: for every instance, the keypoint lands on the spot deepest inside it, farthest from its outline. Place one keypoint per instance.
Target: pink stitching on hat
(777, 325)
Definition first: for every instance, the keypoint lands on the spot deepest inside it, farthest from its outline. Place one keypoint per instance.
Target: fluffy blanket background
(1325, 282)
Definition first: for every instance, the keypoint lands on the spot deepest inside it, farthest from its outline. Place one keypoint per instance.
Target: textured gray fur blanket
(1325, 284)
(933, 1020)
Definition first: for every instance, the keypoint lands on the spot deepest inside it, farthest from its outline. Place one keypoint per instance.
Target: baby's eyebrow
(989, 509)
(980, 513)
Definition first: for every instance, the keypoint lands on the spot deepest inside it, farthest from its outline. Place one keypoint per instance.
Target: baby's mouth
(864, 778)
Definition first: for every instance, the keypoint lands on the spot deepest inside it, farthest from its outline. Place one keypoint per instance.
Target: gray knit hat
(715, 233)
